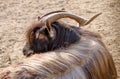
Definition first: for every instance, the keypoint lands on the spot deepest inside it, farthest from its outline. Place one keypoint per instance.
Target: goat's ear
(52, 33)
(38, 18)
(50, 30)
(48, 26)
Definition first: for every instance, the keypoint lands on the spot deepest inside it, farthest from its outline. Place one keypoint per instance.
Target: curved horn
(91, 19)
(52, 13)
(53, 17)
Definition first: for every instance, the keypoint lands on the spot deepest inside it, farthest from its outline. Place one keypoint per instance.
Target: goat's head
(48, 34)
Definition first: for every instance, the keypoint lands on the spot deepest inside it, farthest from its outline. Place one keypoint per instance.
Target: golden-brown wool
(86, 59)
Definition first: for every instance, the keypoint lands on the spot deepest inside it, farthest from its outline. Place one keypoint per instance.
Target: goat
(87, 58)
(48, 34)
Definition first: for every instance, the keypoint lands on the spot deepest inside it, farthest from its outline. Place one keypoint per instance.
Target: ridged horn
(91, 19)
(52, 13)
(55, 16)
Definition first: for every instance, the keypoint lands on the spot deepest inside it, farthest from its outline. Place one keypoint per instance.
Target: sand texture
(16, 15)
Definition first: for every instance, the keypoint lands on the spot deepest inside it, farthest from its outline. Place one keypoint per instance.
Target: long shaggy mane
(86, 59)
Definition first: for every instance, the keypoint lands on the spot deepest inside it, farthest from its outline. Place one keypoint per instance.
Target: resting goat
(49, 34)
(87, 58)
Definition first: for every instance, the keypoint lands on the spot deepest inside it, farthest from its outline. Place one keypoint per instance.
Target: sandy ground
(16, 15)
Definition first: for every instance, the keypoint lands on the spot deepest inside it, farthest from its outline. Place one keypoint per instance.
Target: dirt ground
(16, 15)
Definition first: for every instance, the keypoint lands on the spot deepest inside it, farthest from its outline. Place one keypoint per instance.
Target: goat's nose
(24, 50)
(27, 52)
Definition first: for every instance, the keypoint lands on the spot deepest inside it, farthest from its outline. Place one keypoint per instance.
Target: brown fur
(85, 59)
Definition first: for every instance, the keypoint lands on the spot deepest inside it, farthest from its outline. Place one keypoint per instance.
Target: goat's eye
(41, 36)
